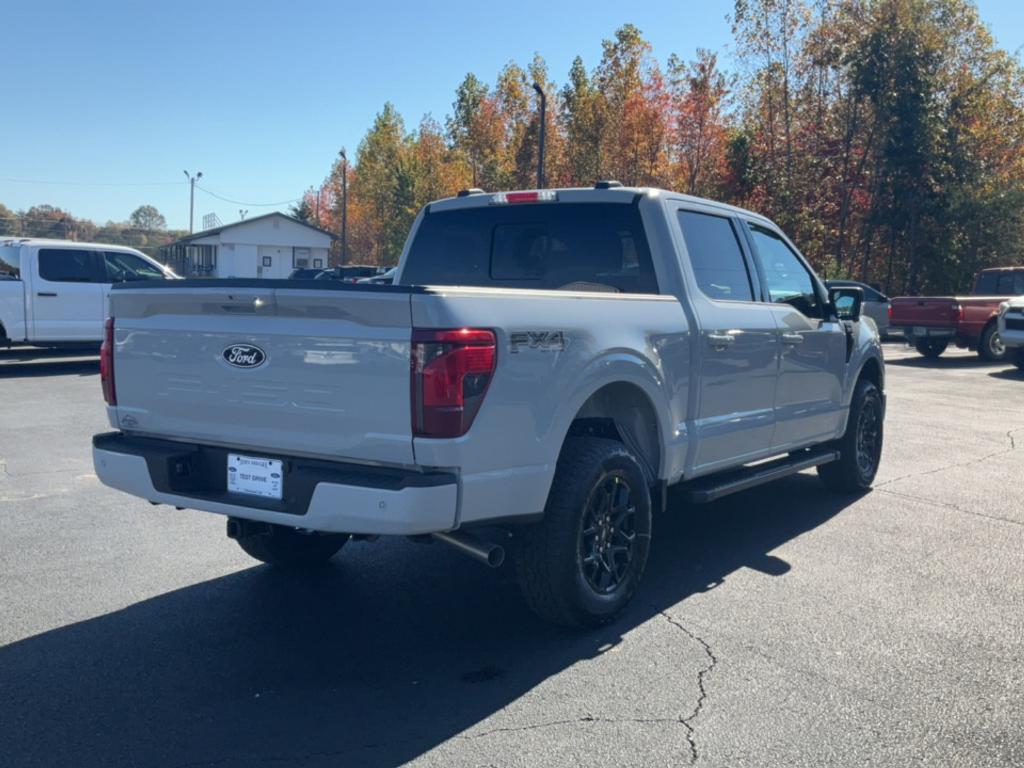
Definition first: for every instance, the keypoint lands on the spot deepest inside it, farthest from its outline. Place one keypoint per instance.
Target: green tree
(303, 210)
(147, 217)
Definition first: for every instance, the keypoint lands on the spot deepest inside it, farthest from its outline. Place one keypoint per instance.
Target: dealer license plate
(255, 476)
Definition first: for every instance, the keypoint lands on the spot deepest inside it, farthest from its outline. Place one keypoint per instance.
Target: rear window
(10, 262)
(1009, 283)
(554, 246)
(63, 265)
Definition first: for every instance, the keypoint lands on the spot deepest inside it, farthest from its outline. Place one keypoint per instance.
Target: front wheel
(931, 348)
(581, 565)
(288, 547)
(991, 347)
(860, 447)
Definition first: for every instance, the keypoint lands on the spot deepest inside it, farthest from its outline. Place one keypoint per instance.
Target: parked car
(932, 323)
(54, 292)
(385, 278)
(304, 273)
(349, 273)
(547, 363)
(1011, 329)
(876, 304)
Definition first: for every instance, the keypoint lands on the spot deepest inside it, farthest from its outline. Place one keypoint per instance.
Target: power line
(242, 202)
(94, 183)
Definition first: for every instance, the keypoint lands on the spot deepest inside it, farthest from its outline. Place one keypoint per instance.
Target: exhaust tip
(496, 556)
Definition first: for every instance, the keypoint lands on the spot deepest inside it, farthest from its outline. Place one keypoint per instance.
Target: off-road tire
(931, 348)
(848, 473)
(990, 348)
(286, 547)
(549, 556)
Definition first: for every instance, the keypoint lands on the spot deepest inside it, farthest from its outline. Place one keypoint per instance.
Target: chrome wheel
(995, 345)
(608, 534)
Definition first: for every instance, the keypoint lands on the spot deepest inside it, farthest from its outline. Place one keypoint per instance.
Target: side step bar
(715, 487)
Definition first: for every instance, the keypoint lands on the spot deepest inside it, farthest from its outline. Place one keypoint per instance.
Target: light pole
(192, 197)
(543, 127)
(344, 208)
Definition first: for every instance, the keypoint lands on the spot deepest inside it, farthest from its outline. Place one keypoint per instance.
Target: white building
(271, 245)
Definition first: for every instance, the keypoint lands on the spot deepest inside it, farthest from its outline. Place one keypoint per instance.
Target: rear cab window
(550, 246)
(10, 262)
(69, 265)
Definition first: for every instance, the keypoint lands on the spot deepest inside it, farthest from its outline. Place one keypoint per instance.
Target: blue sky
(108, 102)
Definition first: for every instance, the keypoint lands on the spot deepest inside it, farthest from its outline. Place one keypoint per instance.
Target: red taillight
(451, 370)
(107, 363)
(890, 311)
(958, 313)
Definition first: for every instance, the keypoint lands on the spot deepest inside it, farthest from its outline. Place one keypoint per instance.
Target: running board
(715, 487)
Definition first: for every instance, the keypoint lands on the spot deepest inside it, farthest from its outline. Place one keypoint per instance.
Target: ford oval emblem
(244, 356)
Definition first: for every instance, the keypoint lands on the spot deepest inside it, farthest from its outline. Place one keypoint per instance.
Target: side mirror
(847, 302)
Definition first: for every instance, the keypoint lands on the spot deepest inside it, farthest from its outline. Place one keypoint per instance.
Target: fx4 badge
(551, 341)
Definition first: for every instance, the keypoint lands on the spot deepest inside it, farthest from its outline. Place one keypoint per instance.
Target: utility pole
(344, 208)
(192, 197)
(543, 127)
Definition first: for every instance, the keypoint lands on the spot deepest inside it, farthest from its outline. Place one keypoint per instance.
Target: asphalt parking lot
(779, 627)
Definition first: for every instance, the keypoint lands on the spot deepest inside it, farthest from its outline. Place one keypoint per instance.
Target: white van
(55, 292)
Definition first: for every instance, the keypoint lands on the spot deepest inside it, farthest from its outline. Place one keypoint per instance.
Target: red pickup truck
(930, 323)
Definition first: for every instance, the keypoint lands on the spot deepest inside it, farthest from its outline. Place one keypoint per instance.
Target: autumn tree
(699, 134)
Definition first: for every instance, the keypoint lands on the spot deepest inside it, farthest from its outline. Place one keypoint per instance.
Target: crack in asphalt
(950, 505)
(958, 464)
(702, 693)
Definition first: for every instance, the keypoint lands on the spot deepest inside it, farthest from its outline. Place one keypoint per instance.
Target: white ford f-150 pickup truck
(546, 364)
(54, 292)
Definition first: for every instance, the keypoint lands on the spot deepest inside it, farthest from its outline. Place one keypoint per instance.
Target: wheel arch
(627, 403)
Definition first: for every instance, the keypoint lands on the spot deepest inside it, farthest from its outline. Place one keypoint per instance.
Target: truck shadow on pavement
(24, 362)
(390, 651)
(957, 362)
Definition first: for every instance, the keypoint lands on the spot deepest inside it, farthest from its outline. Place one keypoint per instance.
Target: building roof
(217, 230)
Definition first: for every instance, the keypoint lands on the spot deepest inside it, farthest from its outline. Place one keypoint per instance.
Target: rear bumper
(911, 332)
(319, 495)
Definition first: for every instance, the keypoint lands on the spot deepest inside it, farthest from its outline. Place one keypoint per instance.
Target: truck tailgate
(927, 311)
(279, 369)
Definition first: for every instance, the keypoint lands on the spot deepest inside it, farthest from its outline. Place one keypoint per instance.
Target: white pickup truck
(1010, 325)
(546, 364)
(55, 292)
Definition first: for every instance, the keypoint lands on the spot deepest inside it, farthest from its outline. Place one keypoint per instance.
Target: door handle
(792, 338)
(45, 293)
(721, 340)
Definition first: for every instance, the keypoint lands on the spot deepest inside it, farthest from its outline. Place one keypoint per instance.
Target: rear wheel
(288, 547)
(991, 347)
(860, 447)
(931, 348)
(581, 565)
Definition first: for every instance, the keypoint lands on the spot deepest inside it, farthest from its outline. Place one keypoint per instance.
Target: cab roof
(48, 241)
(615, 194)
